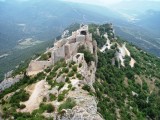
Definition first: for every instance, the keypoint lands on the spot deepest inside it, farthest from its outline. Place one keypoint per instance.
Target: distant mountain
(44, 20)
(150, 20)
(131, 7)
(38, 21)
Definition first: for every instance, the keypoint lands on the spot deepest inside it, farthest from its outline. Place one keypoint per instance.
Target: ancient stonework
(66, 48)
(63, 49)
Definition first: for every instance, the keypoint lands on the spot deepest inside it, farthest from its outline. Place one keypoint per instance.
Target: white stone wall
(58, 54)
(80, 38)
(60, 43)
(37, 66)
(73, 48)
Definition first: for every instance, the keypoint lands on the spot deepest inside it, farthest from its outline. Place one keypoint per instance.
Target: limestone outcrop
(8, 82)
(86, 108)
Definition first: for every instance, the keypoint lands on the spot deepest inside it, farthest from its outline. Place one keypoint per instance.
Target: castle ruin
(64, 49)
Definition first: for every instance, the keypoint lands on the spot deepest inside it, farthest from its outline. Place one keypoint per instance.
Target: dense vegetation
(87, 54)
(115, 86)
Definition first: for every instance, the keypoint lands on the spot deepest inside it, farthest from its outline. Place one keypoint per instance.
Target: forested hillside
(127, 93)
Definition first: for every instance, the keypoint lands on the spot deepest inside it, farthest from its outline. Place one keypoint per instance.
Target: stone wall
(63, 49)
(58, 54)
(37, 66)
(60, 43)
(80, 38)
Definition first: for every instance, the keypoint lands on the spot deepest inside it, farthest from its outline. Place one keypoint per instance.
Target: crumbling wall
(60, 43)
(58, 54)
(67, 51)
(37, 66)
(73, 48)
(80, 38)
(64, 49)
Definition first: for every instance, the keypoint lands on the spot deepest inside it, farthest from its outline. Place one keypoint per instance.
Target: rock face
(88, 72)
(86, 108)
(8, 82)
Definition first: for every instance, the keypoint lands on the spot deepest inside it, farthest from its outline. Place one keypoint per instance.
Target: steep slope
(60, 85)
(127, 92)
(115, 80)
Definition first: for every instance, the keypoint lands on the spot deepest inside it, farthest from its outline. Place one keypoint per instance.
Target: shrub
(86, 87)
(70, 86)
(87, 54)
(52, 74)
(40, 76)
(2, 102)
(47, 70)
(44, 99)
(19, 96)
(73, 62)
(73, 88)
(68, 104)
(64, 64)
(22, 106)
(65, 70)
(74, 68)
(61, 84)
(52, 97)
(79, 76)
(130, 74)
(71, 73)
(50, 108)
(46, 107)
(61, 97)
(80, 65)
(67, 79)
(56, 67)
(45, 56)
(60, 73)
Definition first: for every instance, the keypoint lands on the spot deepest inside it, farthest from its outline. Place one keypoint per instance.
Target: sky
(94, 2)
(104, 2)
